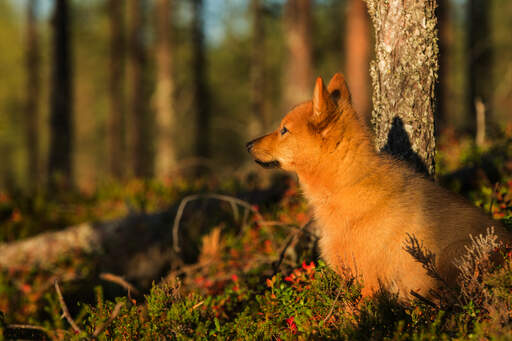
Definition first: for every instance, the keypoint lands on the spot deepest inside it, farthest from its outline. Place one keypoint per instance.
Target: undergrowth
(256, 276)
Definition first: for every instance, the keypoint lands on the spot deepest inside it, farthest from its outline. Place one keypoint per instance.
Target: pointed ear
(323, 106)
(339, 90)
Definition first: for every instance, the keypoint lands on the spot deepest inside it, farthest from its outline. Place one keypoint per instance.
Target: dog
(366, 203)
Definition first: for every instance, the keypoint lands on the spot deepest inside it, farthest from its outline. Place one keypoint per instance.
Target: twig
(104, 325)
(232, 200)
(423, 299)
(120, 281)
(25, 331)
(288, 243)
(65, 311)
(333, 304)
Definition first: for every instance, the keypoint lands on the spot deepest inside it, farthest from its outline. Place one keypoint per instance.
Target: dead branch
(423, 299)
(340, 289)
(292, 238)
(25, 332)
(119, 281)
(232, 200)
(65, 311)
(112, 317)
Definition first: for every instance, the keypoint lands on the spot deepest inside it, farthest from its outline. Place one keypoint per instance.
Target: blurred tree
(201, 93)
(404, 74)
(357, 50)
(258, 68)
(445, 41)
(60, 163)
(116, 121)
(480, 81)
(299, 68)
(165, 115)
(32, 96)
(139, 122)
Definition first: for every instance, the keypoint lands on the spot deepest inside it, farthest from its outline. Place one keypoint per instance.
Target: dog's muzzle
(270, 164)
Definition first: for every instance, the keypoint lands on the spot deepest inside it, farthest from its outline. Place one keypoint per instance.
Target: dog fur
(366, 202)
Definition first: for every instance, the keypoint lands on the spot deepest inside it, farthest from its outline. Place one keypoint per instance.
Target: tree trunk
(139, 126)
(403, 77)
(260, 118)
(165, 116)
(201, 94)
(33, 95)
(357, 49)
(60, 165)
(136, 246)
(116, 147)
(298, 73)
(445, 41)
(480, 80)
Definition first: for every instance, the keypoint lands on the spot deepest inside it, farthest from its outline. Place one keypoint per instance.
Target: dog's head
(304, 130)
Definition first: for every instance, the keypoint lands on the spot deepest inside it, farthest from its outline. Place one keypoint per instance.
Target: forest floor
(245, 265)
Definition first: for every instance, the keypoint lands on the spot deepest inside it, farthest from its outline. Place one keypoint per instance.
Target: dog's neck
(347, 163)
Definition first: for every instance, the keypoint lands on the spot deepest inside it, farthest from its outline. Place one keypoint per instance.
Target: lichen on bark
(404, 74)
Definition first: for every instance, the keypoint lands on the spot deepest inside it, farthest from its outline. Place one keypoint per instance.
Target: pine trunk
(404, 75)
(139, 125)
(258, 69)
(357, 49)
(201, 94)
(61, 117)
(298, 73)
(116, 147)
(479, 63)
(165, 116)
(33, 95)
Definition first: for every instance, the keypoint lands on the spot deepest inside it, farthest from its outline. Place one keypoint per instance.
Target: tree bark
(33, 96)
(201, 93)
(116, 122)
(165, 116)
(403, 74)
(260, 118)
(480, 80)
(60, 165)
(357, 49)
(136, 246)
(139, 126)
(299, 72)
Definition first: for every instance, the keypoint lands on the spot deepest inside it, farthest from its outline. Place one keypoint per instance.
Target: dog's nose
(249, 145)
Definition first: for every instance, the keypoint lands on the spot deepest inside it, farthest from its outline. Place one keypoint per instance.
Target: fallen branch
(112, 317)
(65, 311)
(25, 332)
(119, 281)
(119, 245)
(232, 200)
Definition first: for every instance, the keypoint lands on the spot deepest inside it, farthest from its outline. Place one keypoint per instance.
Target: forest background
(127, 121)
(232, 69)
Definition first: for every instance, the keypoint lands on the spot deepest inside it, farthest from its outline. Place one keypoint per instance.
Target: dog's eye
(283, 131)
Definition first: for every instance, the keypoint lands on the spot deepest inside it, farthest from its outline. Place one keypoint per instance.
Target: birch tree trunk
(165, 149)
(404, 74)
